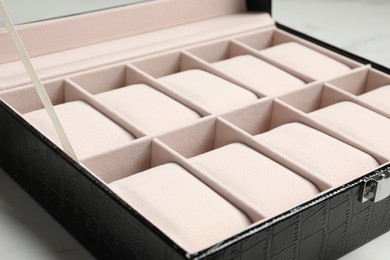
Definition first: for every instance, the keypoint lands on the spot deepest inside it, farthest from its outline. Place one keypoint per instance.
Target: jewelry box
(202, 130)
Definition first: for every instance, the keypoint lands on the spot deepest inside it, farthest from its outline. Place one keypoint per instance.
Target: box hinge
(376, 188)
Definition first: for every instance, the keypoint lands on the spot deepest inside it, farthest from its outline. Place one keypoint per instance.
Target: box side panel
(327, 230)
(99, 221)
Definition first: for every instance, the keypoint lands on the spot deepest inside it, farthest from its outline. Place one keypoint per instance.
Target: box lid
(45, 39)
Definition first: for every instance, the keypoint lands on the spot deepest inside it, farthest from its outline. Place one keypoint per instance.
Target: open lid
(108, 27)
(85, 28)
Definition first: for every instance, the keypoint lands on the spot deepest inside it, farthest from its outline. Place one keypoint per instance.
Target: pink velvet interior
(296, 56)
(359, 123)
(370, 86)
(260, 75)
(148, 108)
(181, 206)
(378, 97)
(254, 178)
(239, 63)
(212, 93)
(325, 157)
(307, 61)
(89, 131)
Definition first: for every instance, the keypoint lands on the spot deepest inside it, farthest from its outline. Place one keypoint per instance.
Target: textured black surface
(259, 5)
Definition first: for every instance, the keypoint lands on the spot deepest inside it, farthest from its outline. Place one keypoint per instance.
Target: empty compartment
(126, 92)
(359, 123)
(89, 131)
(344, 117)
(370, 85)
(181, 206)
(335, 161)
(168, 195)
(244, 65)
(256, 178)
(231, 164)
(322, 159)
(194, 82)
(308, 61)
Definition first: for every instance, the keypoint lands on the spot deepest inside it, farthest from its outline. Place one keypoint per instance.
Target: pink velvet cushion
(325, 156)
(209, 91)
(359, 123)
(149, 109)
(379, 97)
(261, 182)
(306, 61)
(89, 131)
(181, 206)
(260, 75)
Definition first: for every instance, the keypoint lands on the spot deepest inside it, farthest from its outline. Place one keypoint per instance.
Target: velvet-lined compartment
(369, 85)
(296, 56)
(345, 117)
(134, 98)
(239, 169)
(196, 83)
(153, 182)
(319, 157)
(89, 130)
(238, 62)
(357, 122)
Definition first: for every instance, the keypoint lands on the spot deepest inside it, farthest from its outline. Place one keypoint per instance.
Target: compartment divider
(225, 134)
(283, 36)
(350, 97)
(133, 72)
(271, 115)
(354, 82)
(153, 82)
(110, 113)
(203, 65)
(25, 99)
(249, 140)
(279, 65)
(275, 37)
(333, 132)
(375, 79)
(256, 119)
(252, 51)
(219, 188)
(121, 162)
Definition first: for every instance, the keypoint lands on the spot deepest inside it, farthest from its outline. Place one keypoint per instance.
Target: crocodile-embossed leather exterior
(327, 230)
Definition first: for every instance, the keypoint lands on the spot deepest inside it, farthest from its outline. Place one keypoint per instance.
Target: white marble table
(362, 27)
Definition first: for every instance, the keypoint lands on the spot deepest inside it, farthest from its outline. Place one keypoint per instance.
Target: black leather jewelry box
(82, 57)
